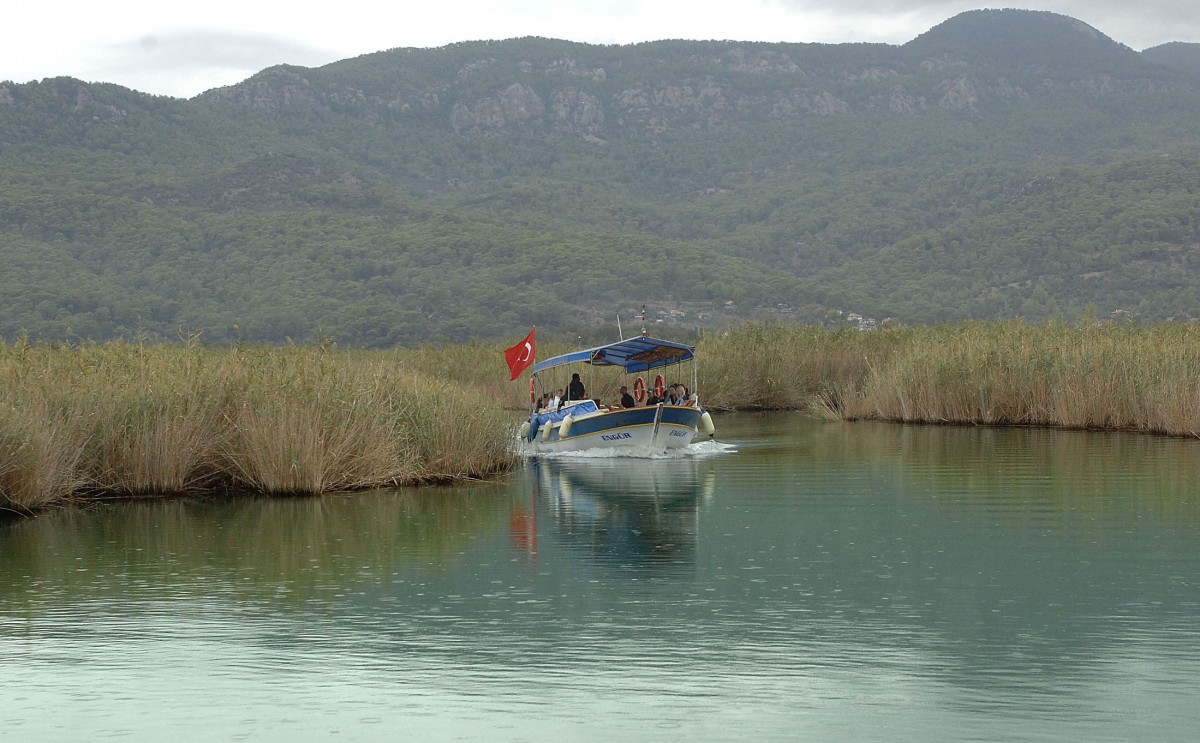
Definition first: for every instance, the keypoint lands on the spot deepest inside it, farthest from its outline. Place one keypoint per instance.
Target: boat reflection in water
(624, 513)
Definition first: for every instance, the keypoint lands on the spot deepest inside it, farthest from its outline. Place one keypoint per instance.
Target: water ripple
(825, 581)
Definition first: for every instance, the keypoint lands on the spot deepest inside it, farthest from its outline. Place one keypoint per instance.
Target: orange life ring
(660, 386)
(639, 389)
(532, 398)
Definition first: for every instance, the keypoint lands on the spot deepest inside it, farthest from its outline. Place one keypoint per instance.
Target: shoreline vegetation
(1087, 376)
(127, 419)
(123, 419)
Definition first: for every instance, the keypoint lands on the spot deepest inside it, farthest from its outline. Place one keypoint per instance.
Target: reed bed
(783, 367)
(130, 419)
(1088, 375)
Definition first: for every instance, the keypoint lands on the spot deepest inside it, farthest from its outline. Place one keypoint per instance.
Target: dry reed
(124, 418)
(1088, 375)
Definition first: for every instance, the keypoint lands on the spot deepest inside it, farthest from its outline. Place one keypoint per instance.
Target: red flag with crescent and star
(520, 356)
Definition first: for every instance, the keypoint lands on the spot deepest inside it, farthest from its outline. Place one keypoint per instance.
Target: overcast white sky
(181, 49)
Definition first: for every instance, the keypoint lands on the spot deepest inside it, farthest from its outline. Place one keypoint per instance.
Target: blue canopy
(636, 354)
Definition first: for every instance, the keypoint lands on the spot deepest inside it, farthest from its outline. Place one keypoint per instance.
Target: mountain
(1176, 55)
(1025, 39)
(1003, 163)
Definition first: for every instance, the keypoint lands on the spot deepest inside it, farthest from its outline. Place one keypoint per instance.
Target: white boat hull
(633, 430)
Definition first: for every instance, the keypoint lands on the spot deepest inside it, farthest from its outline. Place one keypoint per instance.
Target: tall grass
(39, 455)
(1087, 375)
(781, 367)
(124, 418)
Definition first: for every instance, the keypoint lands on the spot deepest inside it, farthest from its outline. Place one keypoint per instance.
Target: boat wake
(709, 448)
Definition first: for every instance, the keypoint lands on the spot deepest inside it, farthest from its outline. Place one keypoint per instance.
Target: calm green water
(824, 582)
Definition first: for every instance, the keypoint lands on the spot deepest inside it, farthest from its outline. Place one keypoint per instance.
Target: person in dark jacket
(627, 400)
(575, 389)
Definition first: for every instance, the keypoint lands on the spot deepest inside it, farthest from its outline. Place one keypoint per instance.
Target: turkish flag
(520, 356)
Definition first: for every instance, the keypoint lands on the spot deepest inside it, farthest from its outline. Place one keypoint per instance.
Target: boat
(587, 424)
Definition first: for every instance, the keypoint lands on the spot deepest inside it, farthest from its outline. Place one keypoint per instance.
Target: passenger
(543, 402)
(672, 394)
(555, 402)
(627, 400)
(575, 389)
(690, 399)
(652, 399)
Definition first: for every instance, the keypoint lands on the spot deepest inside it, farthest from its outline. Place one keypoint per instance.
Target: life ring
(660, 387)
(532, 398)
(639, 389)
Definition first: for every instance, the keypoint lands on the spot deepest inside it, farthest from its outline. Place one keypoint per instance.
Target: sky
(184, 48)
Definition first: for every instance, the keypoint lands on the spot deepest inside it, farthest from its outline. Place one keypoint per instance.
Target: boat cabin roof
(636, 354)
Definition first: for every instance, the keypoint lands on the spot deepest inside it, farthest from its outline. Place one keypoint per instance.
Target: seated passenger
(687, 398)
(627, 400)
(672, 395)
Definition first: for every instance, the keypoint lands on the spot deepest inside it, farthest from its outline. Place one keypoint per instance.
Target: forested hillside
(1003, 163)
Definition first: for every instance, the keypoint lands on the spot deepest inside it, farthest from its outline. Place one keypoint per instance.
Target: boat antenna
(620, 335)
(643, 321)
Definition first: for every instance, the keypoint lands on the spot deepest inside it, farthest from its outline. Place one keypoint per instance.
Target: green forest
(1004, 164)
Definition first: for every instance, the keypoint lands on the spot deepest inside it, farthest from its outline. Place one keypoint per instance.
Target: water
(826, 582)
